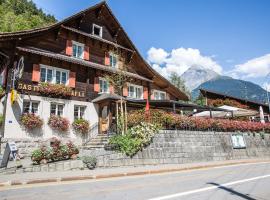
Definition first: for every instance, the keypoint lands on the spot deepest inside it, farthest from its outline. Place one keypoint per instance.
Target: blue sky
(231, 37)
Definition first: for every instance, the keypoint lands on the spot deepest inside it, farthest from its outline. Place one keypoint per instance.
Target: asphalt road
(248, 181)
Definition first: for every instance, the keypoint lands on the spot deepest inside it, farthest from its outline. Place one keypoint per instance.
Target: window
(113, 60)
(79, 112)
(103, 85)
(97, 30)
(135, 91)
(53, 75)
(57, 109)
(77, 50)
(159, 95)
(30, 107)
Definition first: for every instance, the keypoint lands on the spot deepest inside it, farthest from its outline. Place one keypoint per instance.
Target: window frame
(56, 108)
(100, 88)
(78, 44)
(159, 92)
(80, 107)
(111, 54)
(30, 106)
(135, 87)
(54, 69)
(100, 30)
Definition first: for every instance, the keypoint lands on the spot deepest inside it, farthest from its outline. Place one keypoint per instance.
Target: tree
(118, 81)
(17, 15)
(177, 81)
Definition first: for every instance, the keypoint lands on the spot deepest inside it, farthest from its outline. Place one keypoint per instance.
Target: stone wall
(176, 147)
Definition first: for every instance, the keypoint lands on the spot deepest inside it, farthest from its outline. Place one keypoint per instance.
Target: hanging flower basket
(55, 90)
(58, 123)
(31, 121)
(81, 126)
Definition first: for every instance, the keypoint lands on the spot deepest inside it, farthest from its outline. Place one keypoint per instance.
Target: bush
(55, 152)
(43, 153)
(58, 123)
(90, 161)
(168, 120)
(137, 137)
(31, 121)
(55, 90)
(81, 126)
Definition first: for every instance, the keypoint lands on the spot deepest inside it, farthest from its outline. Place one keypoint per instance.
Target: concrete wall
(176, 147)
(14, 130)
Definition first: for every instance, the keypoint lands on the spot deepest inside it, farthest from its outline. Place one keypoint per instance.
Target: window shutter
(96, 84)
(69, 47)
(167, 96)
(107, 59)
(111, 89)
(36, 73)
(152, 95)
(145, 93)
(125, 90)
(72, 79)
(86, 53)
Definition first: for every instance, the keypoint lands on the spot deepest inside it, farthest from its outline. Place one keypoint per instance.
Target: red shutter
(36, 73)
(145, 93)
(69, 47)
(125, 90)
(86, 53)
(96, 84)
(111, 89)
(107, 59)
(72, 79)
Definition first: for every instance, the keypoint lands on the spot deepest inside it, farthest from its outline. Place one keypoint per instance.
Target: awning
(107, 97)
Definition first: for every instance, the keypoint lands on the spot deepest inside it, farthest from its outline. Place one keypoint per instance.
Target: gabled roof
(29, 33)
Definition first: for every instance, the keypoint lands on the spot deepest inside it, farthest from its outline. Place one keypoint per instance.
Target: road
(246, 181)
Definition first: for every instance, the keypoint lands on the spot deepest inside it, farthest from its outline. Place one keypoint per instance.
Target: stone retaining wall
(177, 147)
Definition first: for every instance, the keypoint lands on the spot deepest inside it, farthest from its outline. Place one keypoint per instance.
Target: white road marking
(209, 188)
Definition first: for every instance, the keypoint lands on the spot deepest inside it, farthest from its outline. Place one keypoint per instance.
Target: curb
(117, 175)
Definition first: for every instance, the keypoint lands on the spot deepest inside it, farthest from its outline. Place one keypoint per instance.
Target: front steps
(97, 142)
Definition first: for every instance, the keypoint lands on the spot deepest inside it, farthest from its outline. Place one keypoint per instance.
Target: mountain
(17, 15)
(234, 87)
(196, 75)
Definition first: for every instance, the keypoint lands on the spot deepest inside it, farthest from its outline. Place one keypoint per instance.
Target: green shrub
(135, 140)
(90, 161)
(1, 120)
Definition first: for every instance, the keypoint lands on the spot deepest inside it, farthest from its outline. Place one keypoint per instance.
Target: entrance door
(104, 119)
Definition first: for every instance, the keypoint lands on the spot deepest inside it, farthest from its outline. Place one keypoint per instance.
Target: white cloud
(254, 68)
(179, 60)
(157, 56)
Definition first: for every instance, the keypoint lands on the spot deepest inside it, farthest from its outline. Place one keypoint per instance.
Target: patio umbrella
(261, 115)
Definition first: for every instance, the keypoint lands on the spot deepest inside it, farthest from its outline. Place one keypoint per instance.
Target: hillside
(234, 87)
(17, 15)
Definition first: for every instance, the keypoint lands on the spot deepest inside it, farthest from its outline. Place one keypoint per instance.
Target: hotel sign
(35, 88)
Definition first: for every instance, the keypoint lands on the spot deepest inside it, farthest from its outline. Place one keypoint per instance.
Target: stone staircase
(97, 142)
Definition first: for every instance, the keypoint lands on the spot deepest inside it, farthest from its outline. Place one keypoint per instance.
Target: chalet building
(212, 98)
(78, 52)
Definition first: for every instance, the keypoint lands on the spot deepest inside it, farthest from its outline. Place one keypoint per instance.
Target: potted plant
(55, 90)
(31, 121)
(90, 162)
(81, 126)
(41, 155)
(58, 123)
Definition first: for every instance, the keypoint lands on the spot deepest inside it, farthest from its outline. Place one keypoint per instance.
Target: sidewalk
(100, 173)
